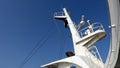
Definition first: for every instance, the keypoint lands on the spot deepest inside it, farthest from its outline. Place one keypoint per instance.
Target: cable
(64, 39)
(35, 49)
(62, 47)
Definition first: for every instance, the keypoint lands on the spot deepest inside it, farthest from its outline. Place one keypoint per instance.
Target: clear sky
(23, 23)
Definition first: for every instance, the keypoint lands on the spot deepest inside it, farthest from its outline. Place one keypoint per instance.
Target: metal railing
(90, 29)
(59, 14)
(94, 50)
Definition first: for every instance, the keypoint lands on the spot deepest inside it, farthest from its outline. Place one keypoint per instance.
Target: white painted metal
(83, 57)
(114, 12)
(96, 53)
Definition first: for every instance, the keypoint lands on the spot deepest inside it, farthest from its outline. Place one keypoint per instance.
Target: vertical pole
(74, 32)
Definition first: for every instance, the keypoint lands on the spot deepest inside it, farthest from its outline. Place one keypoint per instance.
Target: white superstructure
(113, 59)
(83, 39)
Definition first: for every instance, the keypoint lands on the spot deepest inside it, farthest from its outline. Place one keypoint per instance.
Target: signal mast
(86, 55)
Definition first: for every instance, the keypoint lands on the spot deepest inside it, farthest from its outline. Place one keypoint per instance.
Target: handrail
(59, 14)
(96, 49)
(92, 28)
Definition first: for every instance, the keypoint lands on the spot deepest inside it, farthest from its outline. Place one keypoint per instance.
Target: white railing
(90, 29)
(94, 50)
(59, 14)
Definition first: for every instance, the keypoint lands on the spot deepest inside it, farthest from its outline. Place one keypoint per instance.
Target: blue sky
(24, 22)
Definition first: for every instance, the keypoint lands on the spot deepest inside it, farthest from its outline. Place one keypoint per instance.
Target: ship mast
(82, 40)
